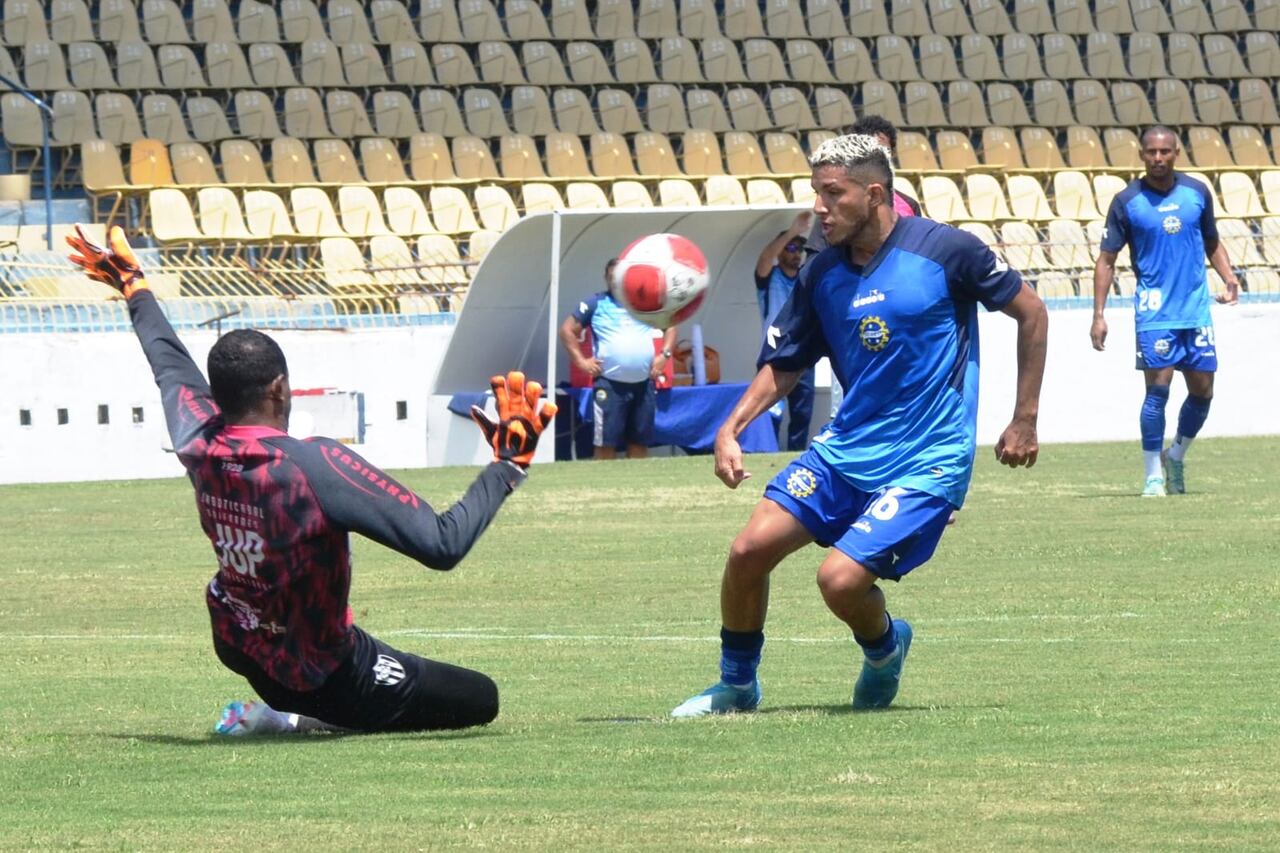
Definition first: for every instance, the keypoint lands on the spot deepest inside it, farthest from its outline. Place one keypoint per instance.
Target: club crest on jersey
(388, 671)
(801, 483)
(601, 395)
(874, 333)
(1172, 225)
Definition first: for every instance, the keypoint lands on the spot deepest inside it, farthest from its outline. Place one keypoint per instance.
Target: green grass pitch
(1091, 671)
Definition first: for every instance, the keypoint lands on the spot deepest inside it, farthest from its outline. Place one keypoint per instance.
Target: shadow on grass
(267, 741)
(828, 710)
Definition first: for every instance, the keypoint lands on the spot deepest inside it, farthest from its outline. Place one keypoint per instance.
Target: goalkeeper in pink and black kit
(278, 512)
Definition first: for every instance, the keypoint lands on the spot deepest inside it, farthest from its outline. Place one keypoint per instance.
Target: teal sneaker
(1174, 475)
(251, 718)
(1153, 488)
(720, 698)
(877, 686)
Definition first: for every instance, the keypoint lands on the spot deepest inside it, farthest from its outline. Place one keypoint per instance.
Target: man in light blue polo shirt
(623, 370)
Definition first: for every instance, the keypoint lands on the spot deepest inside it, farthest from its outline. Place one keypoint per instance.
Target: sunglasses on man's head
(794, 247)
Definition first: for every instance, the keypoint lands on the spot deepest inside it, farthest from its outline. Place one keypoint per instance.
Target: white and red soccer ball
(661, 279)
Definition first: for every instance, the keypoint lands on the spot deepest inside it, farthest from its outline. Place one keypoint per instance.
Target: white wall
(1088, 396)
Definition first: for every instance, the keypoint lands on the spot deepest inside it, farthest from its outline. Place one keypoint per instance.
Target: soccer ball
(661, 279)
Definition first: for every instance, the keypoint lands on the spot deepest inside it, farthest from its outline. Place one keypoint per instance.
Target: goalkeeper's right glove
(115, 264)
(520, 420)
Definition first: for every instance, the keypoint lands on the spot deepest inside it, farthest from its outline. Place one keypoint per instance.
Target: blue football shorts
(889, 531)
(623, 412)
(1185, 349)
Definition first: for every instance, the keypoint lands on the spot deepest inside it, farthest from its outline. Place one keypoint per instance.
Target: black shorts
(379, 689)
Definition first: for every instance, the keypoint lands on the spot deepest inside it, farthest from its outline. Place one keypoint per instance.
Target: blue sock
(1152, 419)
(1191, 417)
(739, 656)
(881, 647)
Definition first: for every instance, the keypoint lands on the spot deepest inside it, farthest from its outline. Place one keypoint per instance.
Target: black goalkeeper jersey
(278, 512)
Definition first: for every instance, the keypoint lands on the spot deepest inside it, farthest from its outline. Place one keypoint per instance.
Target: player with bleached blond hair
(894, 303)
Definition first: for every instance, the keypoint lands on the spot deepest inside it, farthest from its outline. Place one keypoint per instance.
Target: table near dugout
(687, 417)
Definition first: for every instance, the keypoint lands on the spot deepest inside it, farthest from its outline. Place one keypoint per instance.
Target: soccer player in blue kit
(893, 303)
(1167, 220)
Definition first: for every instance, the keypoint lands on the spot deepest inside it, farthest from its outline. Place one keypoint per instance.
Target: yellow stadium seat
(220, 216)
(531, 111)
(518, 155)
(955, 153)
(266, 216)
(923, 104)
(438, 21)
(162, 22)
(881, 98)
(179, 69)
(1062, 57)
(587, 65)
(255, 115)
(914, 152)
(1072, 17)
(678, 192)
(1040, 149)
(790, 109)
(242, 162)
(807, 63)
(440, 259)
(656, 19)
(942, 200)
(986, 198)
(1021, 57)
(581, 195)
(698, 20)
(362, 65)
(851, 61)
(1104, 59)
(570, 20)
(763, 61)
(542, 64)
(617, 111)
(966, 103)
(1022, 247)
(868, 18)
(291, 162)
(1073, 196)
(664, 109)
(430, 158)
(784, 20)
(407, 212)
(392, 264)
(1207, 149)
(149, 164)
(785, 156)
(826, 19)
(313, 213)
(1132, 106)
(101, 168)
(725, 191)
(610, 156)
(978, 58)
(1027, 199)
(192, 164)
(391, 22)
(172, 219)
(538, 197)
(655, 156)
(211, 22)
(629, 195)
(336, 162)
(1033, 16)
(451, 211)
(44, 67)
(1092, 103)
(498, 65)
(678, 61)
(938, 58)
(1239, 195)
(117, 118)
(1105, 188)
(497, 211)
(87, 66)
(802, 190)
(565, 156)
(1214, 105)
(485, 117)
(742, 154)
(700, 153)
(226, 66)
(1051, 104)
(69, 22)
(1186, 61)
(270, 66)
(257, 22)
(1149, 16)
(136, 66)
(440, 113)
(346, 114)
(1240, 243)
(360, 212)
(344, 265)
(1173, 103)
(895, 59)
(480, 21)
(1006, 106)
(118, 21)
(380, 161)
(72, 119)
(304, 116)
(393, 115)
(573, 112)
(1000, 147)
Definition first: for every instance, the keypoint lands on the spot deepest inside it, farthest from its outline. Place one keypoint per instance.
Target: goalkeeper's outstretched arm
(188, 403)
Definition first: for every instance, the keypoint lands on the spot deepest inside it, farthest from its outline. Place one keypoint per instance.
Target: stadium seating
(355, 120)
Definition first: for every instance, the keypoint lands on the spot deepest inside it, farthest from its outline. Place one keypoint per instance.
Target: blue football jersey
(902, 335)
(1166, 234)
(623, 344)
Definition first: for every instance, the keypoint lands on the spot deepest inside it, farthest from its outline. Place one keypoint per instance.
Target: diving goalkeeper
(278, 512)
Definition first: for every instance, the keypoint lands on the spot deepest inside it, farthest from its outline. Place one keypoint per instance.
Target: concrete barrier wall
(1088, 396)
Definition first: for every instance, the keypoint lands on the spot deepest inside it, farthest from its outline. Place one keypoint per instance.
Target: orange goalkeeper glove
(520, 419)
(115, 264)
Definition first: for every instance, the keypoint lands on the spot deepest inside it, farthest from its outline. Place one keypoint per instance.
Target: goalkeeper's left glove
(520, 419)
(114, 264)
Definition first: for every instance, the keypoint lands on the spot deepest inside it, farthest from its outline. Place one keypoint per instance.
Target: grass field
(1090, 671)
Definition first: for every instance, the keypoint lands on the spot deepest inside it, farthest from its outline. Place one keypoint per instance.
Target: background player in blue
(776, 271)
(893, 303)
(624, 369)
(1167, 220)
